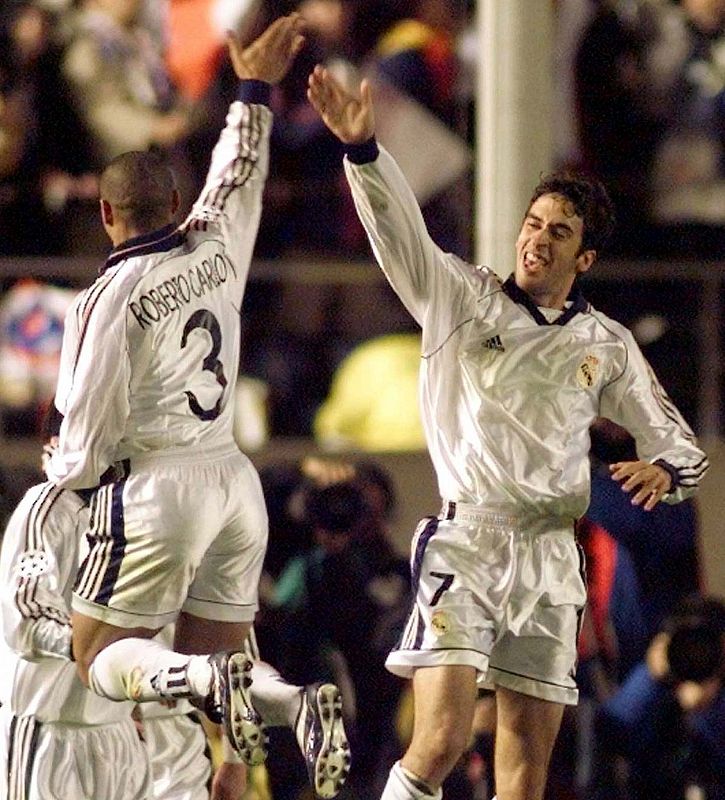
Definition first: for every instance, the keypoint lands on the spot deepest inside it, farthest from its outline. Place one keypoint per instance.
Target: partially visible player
(47, 712)
(150, 357)
(57, 738)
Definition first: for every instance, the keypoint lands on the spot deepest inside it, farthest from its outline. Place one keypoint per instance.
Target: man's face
(547, 250)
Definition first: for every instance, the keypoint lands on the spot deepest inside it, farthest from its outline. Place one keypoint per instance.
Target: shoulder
(608, 328)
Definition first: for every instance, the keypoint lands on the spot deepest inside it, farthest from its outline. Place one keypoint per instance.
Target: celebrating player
(150, 358)
(513, 373)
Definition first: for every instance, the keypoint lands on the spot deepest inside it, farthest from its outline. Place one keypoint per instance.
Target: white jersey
(507, 398)
(151, 350)
(38, 564)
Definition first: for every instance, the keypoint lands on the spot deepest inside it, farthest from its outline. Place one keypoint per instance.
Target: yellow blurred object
(373, 402)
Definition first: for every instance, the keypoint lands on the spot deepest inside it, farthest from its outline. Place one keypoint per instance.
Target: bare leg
(195, 635)
(525, 734)
(444, 701)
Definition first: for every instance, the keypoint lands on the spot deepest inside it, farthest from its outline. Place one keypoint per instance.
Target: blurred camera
(697, 639)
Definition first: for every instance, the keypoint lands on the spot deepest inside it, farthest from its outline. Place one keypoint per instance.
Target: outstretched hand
(350, 118)
(651, 481)
(269, 57)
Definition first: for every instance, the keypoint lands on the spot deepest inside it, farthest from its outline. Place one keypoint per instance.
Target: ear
(175, 201)
(106, 213)
(585, 260)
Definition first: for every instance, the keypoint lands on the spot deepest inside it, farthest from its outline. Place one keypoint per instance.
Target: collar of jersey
(518, 295)
(158, 241)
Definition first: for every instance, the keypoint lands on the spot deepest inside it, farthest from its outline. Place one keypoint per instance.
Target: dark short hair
(590, 200)
(139, 184)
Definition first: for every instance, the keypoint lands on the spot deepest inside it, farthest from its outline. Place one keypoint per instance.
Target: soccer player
(513, 373)
(47, 712)
(57, 739)
(149, 360)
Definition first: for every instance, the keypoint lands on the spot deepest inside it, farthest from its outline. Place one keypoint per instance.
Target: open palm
(350, 118)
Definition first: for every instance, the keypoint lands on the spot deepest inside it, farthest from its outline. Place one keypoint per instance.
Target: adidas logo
(494, 343)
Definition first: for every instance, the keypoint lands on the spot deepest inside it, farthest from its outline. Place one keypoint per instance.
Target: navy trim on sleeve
(253, 91)
(673, 472)
(362, 153)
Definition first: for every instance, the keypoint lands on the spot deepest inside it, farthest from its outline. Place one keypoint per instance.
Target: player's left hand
(651, 481)
(229, 782)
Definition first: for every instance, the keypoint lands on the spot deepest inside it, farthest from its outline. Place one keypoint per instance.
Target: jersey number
(446, 579)
(206, 320)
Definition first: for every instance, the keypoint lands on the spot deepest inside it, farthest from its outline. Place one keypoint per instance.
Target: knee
(439, 748)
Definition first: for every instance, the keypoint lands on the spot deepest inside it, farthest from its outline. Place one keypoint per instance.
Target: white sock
(277, 701)
(143, 670)
(403, 785)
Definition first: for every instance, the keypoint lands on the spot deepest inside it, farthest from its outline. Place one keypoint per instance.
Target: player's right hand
(350, 118)
(269, 57)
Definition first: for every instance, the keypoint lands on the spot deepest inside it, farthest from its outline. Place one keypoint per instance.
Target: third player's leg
(526, 730)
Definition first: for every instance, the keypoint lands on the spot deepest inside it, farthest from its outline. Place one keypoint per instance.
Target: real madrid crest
(588, 372)
(439, 623)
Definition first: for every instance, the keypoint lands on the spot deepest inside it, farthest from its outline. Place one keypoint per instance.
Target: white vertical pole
(514, 120)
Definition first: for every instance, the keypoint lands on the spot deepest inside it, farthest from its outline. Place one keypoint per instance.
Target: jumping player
(149, 361)
(513, 373)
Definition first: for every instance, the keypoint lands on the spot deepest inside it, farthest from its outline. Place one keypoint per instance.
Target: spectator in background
(618, 125)
(667, 720)
(121, 87)
(418, 55)
(44, 148)
(657, 560)
(687, 73)
(336, 609)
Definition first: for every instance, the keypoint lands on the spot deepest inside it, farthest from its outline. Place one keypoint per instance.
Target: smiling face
(548, 251)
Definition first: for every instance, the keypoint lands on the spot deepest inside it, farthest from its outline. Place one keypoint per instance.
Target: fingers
(318, 86)
(651, 481)
(269, 56)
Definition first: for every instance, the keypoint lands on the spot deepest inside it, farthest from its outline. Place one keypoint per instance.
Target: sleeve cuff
(362, 153)
(253, 91)
(673, 473)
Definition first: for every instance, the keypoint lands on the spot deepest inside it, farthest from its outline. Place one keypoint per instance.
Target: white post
(514, 120)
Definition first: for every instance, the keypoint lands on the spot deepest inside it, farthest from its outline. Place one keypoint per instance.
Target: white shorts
(498, 594)
(180, 760)
(178, 533)
(53, 761)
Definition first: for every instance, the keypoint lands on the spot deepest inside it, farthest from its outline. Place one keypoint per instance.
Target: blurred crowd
(84, 80)
(644, 85)
(641, 84)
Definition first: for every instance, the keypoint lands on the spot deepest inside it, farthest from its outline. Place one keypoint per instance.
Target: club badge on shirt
(588, 372)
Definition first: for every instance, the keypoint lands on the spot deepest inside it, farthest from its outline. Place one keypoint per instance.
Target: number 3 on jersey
(206, 320)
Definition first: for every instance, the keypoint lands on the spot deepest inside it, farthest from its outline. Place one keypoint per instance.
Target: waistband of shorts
(501, 518)
(182, 455)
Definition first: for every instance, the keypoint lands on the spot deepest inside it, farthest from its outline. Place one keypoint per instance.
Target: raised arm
(232, 195)
(418, 270)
